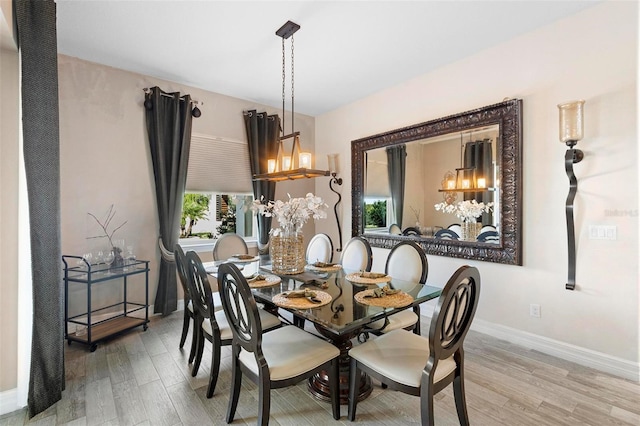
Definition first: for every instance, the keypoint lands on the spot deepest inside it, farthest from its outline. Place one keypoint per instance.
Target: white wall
(105, 156)
(593, 56)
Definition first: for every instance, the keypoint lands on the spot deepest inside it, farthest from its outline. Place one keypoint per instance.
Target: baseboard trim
(9, 401)
(583, 356)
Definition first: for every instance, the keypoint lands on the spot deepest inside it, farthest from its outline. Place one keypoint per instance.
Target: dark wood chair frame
(445, 340)
(247, 334)
(204, 309)
(181, 266)
(447, 233)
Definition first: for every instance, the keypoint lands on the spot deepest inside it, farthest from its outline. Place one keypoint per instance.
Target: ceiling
(344, 51)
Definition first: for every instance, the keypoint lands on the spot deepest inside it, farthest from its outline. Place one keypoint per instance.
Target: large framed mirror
(469, 164)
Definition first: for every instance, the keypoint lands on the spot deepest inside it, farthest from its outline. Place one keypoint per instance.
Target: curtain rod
(147, 90)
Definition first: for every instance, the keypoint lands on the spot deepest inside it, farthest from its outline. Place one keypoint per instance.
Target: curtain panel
(168, 119)
(262, 137)
(37, 40)
(396, 159)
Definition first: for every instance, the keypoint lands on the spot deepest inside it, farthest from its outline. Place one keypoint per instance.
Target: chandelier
(298, 164)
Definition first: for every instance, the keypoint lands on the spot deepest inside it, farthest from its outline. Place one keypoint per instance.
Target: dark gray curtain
(36, 25)
(479, 155)
(396, 159)
(262, 136)
(168, 118)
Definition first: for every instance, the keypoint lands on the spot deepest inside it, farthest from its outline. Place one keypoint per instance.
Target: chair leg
(334, 388)
(215, 366)
(264, 400)
(461, 403)
(234, 393)
(199, 351)
(416, 329)
(197, 326)
(353, 385)
(185, 327)
(426, 404)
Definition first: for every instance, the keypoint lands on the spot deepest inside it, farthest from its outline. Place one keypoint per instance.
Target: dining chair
(423, 366)
(411, 230)
(395, 229)
(280, 358)
(181, 267)
(210, 324)
(456, 227)
(357, 255)
(228, 245)
(406, 262)
(489, 237)
(320, 249)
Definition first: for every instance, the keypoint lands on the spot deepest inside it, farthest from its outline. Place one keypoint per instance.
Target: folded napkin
(323, 264)
(381, 292)
(306, 293)
(243, 256)
(257, 278)
(365, 274)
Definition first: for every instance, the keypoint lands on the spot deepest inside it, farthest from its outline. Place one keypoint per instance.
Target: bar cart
(96, 324)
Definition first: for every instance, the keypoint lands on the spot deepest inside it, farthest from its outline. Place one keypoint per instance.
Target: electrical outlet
(534, 310)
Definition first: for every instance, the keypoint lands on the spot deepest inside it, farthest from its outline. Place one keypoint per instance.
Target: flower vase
(287, 252)
(470, 230)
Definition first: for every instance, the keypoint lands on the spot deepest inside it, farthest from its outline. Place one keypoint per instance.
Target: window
(219, 169)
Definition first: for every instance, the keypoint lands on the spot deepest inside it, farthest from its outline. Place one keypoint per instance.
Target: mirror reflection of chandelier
(298, 164)
(476, 171)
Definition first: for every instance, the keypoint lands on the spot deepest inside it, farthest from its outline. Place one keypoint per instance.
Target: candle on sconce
(571, 122)
(271, 165)
(305, 160)
(286, 162)
(333, 163)
(482, 183)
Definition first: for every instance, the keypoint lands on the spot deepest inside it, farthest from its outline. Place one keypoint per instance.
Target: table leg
(319, 383)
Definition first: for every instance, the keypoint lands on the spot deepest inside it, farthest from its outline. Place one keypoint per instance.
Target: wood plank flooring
(142, 378)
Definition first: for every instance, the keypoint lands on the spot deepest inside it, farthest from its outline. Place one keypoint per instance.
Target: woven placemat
(269, 281)
(301, 302)
(314, 268)
(356, 278)
(397, 300)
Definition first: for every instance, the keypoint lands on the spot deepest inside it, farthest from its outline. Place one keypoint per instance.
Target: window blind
(218, 165)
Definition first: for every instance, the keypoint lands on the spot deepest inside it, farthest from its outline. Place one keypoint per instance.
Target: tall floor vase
(287, 252)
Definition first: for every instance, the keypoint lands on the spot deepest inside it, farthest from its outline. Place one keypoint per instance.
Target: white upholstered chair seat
(268, 321)
(402, 319)
(289, 352)
(401, 356)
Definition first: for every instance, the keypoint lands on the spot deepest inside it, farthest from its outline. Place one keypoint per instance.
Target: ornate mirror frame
(508, 115)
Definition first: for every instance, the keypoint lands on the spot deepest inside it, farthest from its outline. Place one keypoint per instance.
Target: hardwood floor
(142, 378)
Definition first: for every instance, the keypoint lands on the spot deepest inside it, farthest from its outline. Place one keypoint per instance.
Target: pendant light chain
(292, 95)
(283, 85)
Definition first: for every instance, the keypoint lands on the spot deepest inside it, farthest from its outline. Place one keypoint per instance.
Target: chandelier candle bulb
(286, 162)
(465, 184)
(305, 160)
(271, 165)
(482, 183)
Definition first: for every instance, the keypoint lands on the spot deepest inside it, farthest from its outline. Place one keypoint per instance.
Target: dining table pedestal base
(318, 384)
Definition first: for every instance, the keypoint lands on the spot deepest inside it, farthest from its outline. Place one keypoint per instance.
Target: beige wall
(105, 157)
(8, 206)
(593, 56)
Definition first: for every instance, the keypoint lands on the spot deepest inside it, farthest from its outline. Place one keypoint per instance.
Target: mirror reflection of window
(376, 214)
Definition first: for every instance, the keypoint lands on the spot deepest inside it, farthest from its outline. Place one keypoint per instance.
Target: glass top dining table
(343, 318)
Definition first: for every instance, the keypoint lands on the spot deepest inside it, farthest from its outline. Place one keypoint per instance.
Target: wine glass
(109, 256)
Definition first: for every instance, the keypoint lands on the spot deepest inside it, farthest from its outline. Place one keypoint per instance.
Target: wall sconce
(571, 131)
(333, 170)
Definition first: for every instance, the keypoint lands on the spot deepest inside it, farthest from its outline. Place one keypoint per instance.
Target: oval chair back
(446, 234)
(181, 267)
(357, 255)
(320, 249)
(395, 229)
(228, 245)
(407, 262)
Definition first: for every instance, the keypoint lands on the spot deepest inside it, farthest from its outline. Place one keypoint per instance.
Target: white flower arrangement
(466, 210)
(292, 214)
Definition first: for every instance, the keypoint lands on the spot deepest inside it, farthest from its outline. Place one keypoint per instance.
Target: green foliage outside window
(194, 208)
(228, 224)
(376, 214)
